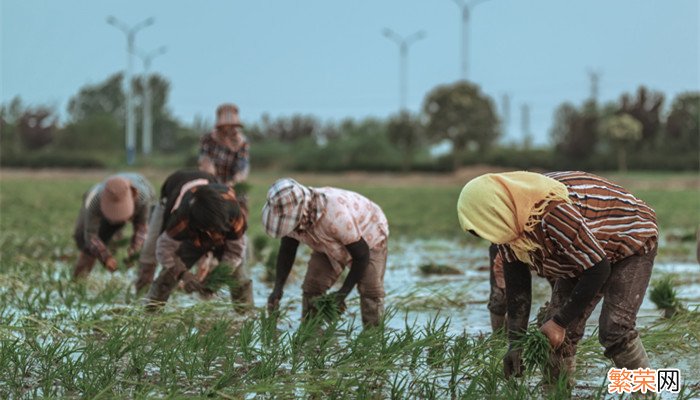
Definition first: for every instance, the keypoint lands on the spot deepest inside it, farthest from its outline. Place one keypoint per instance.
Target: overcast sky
(329, 58)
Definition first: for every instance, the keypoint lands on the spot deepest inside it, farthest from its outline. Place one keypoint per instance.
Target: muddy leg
(160, 290)
(84, 265)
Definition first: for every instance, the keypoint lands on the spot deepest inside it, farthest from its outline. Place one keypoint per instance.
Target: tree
(37, 127)
(622, 130)
(683, 123)
(103, 98)
(575, 132)
(463, 115)
(406, 133)
(646, 108)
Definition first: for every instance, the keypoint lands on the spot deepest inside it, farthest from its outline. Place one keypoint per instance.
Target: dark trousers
(622, 295)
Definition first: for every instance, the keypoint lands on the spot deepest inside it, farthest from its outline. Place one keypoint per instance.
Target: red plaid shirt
(231, 164)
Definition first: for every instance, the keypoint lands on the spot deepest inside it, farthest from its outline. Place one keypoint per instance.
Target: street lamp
(130, 32)
(466, 8)
(403, 43)
(147, 137)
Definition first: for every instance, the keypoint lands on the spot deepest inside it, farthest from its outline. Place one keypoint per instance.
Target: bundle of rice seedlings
(260, 242)
(221, 275)
(536, 349)
(271, 266)
(439, 269)
(663, 294)
(327, 307)
(241, 188)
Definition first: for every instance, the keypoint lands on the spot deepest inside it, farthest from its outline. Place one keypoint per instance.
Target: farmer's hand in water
(554, 332)
(111, 264)
(191, 282)
(513, 363)
(339, 298)
(273, 302)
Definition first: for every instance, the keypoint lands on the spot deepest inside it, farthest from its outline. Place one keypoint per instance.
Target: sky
(329, 58)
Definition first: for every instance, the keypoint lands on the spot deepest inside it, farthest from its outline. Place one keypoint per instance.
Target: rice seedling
(536, 349)
(260, 243)
(664, 295)
(220, 276)
(327, 307)
(439, 269)
(271, 266)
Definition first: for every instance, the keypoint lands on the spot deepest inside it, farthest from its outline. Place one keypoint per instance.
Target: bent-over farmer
(176, 183)
(204, 217)
(594, 237)
(105, 209)
(343, 229)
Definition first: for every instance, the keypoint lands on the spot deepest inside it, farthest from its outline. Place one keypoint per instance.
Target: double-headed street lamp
(130, 32)
(403, 43)
(147, 136)
(466, 7)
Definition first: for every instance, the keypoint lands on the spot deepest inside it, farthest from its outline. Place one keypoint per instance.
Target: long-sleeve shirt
(145, 197)
(231, 163)
(603, 220)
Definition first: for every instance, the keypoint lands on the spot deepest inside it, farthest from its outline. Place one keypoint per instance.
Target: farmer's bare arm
(359, 251)
(285, 260)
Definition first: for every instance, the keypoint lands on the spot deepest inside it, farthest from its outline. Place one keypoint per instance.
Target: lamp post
(130, 32)
(466, 8)
(147, 137)
(403, 43)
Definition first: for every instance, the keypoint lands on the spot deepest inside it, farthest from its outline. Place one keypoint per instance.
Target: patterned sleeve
(234, 251)
(95, 245)
(166, 248)
(507, 255)
(570, 234)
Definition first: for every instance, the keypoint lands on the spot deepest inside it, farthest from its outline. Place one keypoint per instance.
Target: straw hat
(227, 114)
(116, 200)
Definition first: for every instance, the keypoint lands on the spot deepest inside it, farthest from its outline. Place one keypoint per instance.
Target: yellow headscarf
(501, 208)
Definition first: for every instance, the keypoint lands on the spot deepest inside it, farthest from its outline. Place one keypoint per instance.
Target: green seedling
(327, 307)
(271, 266)
(219, 277)
(536, 349)
(663, 294)
(439, 269)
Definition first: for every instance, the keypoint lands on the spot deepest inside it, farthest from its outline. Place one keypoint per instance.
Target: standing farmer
(204, 217)
(343, 229)
(594, 237)
(106, 207)
(224, 151)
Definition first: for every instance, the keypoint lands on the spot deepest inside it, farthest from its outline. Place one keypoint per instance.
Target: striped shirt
(603, 220)
(145, 197)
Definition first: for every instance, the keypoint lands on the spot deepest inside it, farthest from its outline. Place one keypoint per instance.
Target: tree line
(637, 131)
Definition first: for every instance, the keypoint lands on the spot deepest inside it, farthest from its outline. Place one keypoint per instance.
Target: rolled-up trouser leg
(242, 293)
(147, 257)
(320, 276)
(371, 288)
(161, 288)
(624, 294)
(145, 278)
